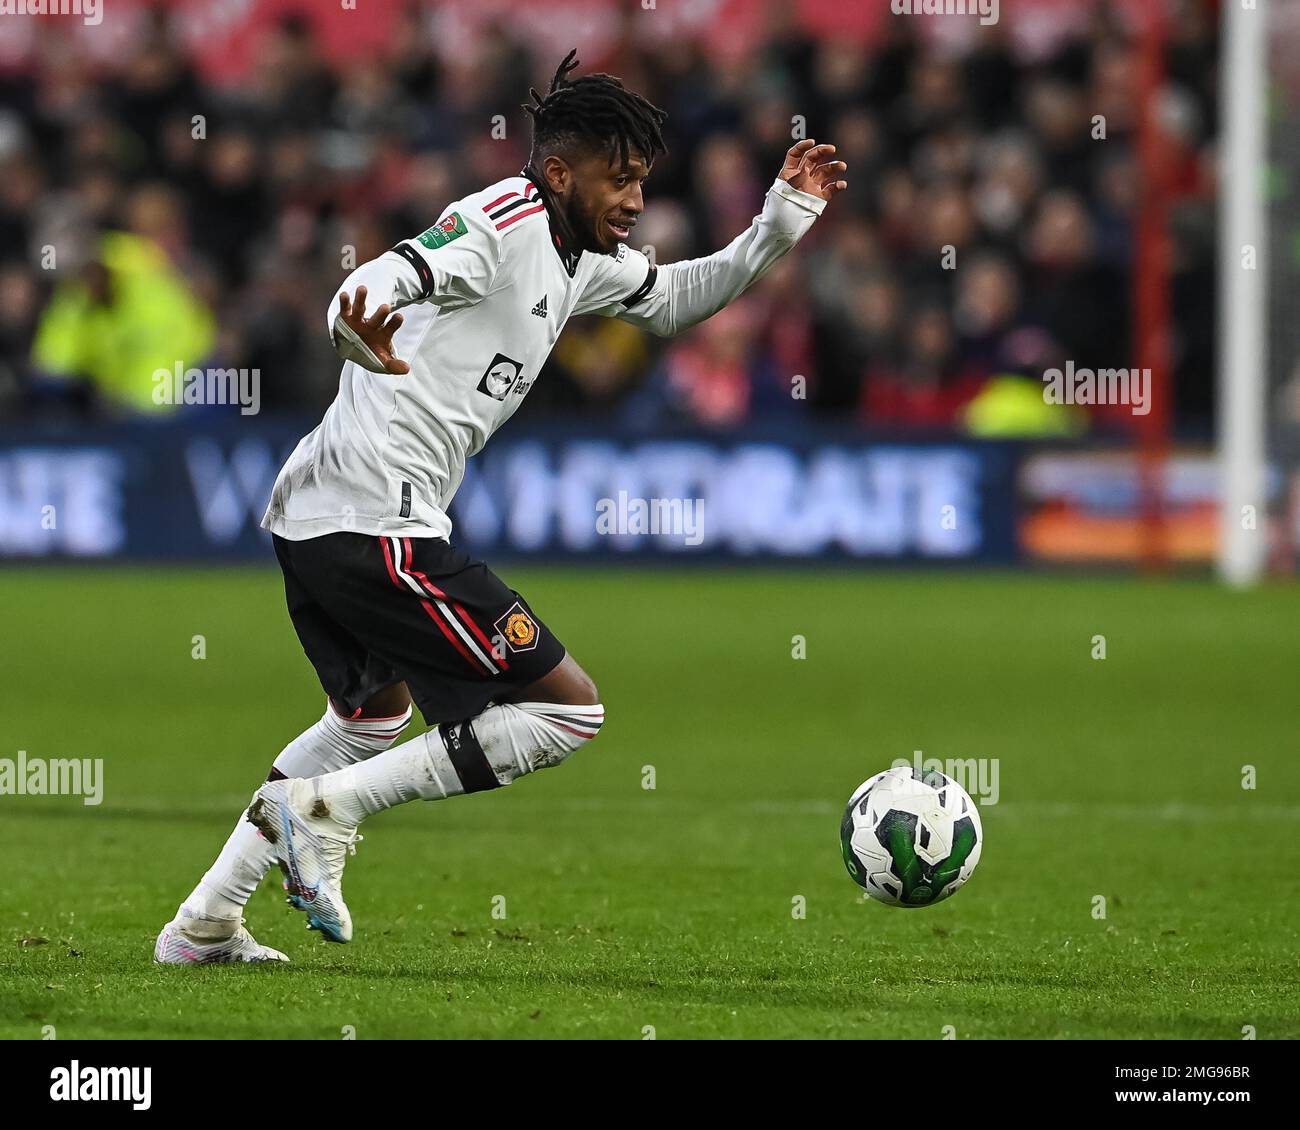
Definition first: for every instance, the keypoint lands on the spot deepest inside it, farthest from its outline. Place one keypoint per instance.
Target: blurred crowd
(148, 218)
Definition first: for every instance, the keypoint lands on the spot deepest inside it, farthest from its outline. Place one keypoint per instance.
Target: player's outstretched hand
(808, 168)
(375, 332)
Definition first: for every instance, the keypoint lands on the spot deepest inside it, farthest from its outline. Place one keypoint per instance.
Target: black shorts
(373, 611)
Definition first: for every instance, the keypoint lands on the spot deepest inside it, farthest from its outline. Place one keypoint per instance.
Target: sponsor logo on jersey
(517, 628)
(499, 376)
(540, 308)
(444, 231)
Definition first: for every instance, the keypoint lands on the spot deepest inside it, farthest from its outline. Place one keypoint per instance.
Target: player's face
(604, 200)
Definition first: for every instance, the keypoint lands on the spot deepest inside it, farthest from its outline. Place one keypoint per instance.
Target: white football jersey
(484, 294)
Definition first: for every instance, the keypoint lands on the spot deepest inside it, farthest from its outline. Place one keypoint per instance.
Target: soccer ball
(910, 837)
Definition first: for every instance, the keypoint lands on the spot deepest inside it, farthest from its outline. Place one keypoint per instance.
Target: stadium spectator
(123, 312)
(316, 159)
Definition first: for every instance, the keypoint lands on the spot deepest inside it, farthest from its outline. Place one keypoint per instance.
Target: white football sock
(331, 744)
(491, 750)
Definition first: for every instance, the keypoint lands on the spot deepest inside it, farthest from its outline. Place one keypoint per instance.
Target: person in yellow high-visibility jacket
(1013, 407)
(126, 315)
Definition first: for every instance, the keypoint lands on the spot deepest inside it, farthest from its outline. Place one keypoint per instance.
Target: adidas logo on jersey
(540, 308)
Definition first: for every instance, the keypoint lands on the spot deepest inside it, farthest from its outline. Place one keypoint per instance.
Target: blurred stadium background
(185, 186)
(1034, 191)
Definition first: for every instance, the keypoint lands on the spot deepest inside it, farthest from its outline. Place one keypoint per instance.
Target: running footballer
(388, 611)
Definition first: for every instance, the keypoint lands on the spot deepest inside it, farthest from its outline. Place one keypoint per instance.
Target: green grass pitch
(629, 909)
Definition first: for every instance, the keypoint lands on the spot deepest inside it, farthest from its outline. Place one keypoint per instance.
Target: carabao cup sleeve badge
(517, 629)
(444, 231)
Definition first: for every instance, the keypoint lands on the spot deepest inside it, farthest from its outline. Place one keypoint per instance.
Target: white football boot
(177, 945)
(311, 847)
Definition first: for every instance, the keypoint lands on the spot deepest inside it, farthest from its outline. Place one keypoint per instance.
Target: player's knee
(341, 739)
(585, 692)
(594, 718)
(574, 688)
(568, 685)
(575, 724)
(560, 729)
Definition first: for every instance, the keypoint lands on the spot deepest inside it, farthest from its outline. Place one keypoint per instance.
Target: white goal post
(1242, 377)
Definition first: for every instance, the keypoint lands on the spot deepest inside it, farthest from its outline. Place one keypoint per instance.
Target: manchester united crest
(518, 629)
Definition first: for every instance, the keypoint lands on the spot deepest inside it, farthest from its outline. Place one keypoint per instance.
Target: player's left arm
(670, 298)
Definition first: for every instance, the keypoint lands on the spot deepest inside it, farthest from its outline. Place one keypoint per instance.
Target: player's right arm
(453, 265)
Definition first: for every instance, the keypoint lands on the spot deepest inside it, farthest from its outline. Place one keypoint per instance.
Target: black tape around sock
(467, 757)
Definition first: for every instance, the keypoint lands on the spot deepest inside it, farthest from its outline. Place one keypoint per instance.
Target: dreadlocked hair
(595, 110)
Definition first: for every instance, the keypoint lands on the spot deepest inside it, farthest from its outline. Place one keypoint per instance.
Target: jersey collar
(562, 237)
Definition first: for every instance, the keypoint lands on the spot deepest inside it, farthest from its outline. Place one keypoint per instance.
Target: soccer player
(386, 609)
